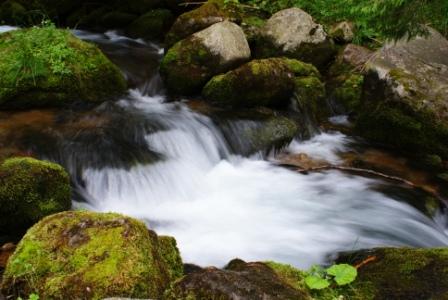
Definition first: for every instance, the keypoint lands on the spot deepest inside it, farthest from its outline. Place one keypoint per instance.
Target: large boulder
(50, 67)
(400, 273)
(293, 33)
(405, 101)
(86, 255)
(190, 63)
(212, 12)
(239, 280)
(263, 82)
(30, 190)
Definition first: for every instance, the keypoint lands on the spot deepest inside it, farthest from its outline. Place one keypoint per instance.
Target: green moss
(50, 67)
(400, 273)
(152, 25)
(264, 82)
(393, 125)
(30, 190)
(310, 96)
(349, 92)
(187, 66)
(78, 255)
(291, 275)
(170, 255)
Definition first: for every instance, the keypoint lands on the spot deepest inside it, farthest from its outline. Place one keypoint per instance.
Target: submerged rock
(239, 280)
(85, 255)
(190, 63)
(293, 33)
(264, 82)
(406, 96)
(30, 190)
(400, 273)
(50, 67)
(152, 25)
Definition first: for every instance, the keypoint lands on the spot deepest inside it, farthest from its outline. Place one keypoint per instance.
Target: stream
(187, 176)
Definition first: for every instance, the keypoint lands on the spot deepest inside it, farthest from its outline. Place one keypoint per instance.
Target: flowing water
(184, 174)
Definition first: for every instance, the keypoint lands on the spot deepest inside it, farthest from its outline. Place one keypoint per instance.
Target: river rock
(30, 190)
(190, 63)
(405, 101)
(239, 280)
(400, 273)
(34, 76)
(86, 255)
(152, 25)
(263, 82)
(212, 12)
(293, 33)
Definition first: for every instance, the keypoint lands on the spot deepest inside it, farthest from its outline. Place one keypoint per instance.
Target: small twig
(358, 170)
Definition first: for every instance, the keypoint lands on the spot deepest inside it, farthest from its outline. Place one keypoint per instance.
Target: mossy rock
(152, 25)
(405, 94)
(238, 280)
(86, 255)
(212, 12)
(190, 63)
(401, 273)
(31, 189)
(264, 82)
(51, 67)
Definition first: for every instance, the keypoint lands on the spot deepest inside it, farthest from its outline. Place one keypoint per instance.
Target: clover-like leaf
(343, 273)
(316, 283)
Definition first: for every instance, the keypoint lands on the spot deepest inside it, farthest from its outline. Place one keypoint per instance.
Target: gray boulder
(293, 33)
(406, 95)
(190, 63)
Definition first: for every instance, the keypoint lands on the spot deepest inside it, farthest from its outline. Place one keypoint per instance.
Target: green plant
(374, 19)
(339, 274)
(31, 297)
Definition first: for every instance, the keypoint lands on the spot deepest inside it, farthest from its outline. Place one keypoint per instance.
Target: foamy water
(220, 206)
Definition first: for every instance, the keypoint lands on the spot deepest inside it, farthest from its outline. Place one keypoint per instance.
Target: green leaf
(316, 283)
(343, 273)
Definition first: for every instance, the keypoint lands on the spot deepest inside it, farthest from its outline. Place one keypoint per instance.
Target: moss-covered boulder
(86, 255)
(345, 79)
(212, 12)
(31, 189)
(400, 273)
(152, 25)
(293, 33)
(405, 103)
(239, 280)
(50, 67)
(264, 82)
(190, 63)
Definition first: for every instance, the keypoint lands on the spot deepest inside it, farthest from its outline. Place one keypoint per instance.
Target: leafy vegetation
(377, 19)
(319, 278)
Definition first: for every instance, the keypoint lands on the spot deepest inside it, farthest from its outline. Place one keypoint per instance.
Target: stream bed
(185, 175)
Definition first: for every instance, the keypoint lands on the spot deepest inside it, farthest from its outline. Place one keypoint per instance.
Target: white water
(220, 206)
